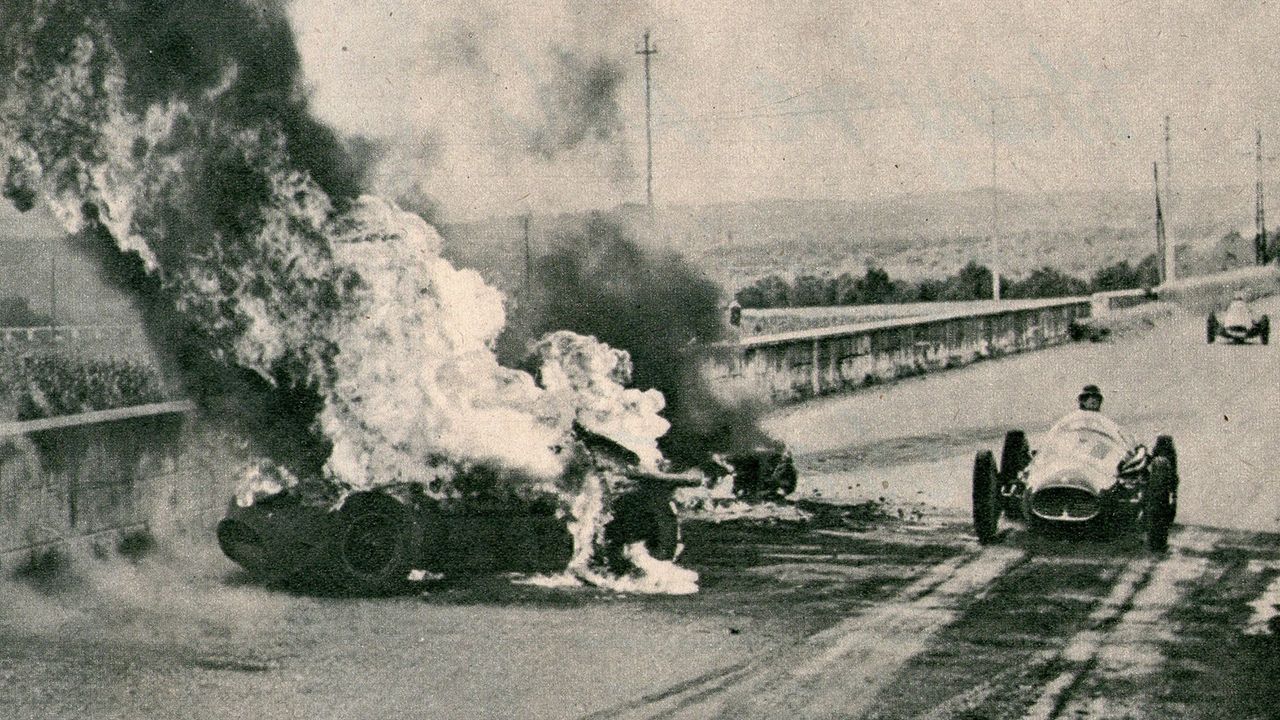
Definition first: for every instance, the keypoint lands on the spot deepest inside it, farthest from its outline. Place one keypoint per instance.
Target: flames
(248, 228)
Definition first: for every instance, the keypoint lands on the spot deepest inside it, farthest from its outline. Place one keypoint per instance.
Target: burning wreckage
(323, 325)
(297, 535)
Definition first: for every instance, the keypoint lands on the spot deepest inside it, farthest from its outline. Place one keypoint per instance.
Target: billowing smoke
(599, 281)
(579, 103)
(173, 138)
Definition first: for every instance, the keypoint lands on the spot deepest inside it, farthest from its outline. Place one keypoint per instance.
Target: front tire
(1158, 507)
(1211, 329)
(1266, 330)
(986, 498)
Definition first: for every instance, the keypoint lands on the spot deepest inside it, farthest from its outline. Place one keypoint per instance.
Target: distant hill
(911, 236)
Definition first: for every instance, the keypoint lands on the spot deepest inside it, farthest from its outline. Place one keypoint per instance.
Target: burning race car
(374, 539)
(1086, 471)
(1238, 324)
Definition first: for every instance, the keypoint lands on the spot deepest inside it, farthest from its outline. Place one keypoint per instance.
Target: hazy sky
(799, 99)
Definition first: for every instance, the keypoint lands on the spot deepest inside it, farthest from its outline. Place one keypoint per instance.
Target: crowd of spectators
(42, 385)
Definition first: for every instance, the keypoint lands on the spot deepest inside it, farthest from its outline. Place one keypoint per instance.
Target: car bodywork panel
(1085, 468)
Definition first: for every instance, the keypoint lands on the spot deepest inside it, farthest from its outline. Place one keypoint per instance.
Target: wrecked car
(1238, 324)
(373, 540)
(761, 473)
(1085, 472)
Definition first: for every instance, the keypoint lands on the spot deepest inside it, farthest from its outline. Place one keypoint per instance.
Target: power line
(862, 107)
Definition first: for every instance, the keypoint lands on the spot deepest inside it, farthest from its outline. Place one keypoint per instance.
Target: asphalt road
(873, 610)
(913, 442)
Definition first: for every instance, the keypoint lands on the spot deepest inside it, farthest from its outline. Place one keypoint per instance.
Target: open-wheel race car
(1086, 472)
(1238, 323)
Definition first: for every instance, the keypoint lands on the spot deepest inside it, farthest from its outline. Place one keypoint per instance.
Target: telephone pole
(1259, 212)
(1170, 249)
(528, 260)
(648, 51)
(1160, 238)
(995, 214)
(53, 288)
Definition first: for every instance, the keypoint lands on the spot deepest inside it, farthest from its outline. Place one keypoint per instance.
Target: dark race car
(1238, 324)
(1086, 471)
(372, 542)
(375, 538)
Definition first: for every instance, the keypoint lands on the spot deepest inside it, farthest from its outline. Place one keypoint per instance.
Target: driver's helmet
(1089, 391)
(1239, 297)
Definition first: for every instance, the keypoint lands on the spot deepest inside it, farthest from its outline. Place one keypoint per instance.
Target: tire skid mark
(1266, 606)
(1123, 635)
(702, 696)
(842, 669)
(1122, 589)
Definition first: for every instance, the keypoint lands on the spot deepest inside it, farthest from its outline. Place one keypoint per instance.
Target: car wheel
(375, 543)
(1158, 504)
(1164, 448)
(1266, 330)
(245, 545)
(783, 478)
(1211, 329)
(986, 497)
(646, 516)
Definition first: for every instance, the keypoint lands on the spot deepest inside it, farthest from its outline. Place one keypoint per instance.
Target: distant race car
(1238, 323)
(1086, 471)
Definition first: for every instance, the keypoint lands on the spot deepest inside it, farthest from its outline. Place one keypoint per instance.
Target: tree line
(971, 282)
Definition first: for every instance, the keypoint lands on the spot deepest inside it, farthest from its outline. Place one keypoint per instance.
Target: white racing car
(1238, 323)
(1085, 471)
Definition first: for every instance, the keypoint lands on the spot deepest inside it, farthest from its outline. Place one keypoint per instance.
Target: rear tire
(1157, 504)
(986, 497)
(1266, 330)
(1164, 448)
(1211, 329)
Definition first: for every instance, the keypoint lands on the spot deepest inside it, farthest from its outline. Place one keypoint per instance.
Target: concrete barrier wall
(99, 476)
(1206, 293)
(791, 366)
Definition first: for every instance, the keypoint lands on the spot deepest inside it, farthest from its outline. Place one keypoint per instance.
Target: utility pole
(995, 214)
(1259, 212)
(53, 287)
(528, 260)
(647, 51)
(1160, 237)
(1168, 260)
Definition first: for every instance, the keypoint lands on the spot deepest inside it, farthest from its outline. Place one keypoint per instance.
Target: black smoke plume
(579, 104)
(226, 77)
(597, 280)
